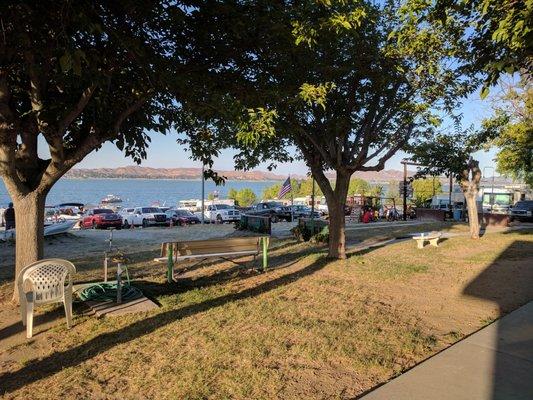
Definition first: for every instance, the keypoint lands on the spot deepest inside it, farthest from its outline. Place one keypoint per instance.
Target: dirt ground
(307, 328)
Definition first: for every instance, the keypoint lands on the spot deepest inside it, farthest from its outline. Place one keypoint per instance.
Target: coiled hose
(108, 291)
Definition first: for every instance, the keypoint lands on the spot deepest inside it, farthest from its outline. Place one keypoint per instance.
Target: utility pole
(450, 194)
(203, 192)
(404, 191)
(313, 200)
(405, 163)
(292, 201)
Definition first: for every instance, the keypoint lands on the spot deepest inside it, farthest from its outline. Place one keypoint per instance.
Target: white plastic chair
(43, 282)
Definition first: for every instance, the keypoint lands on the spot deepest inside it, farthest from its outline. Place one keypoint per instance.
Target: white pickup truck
(144, 216)
(221, 213)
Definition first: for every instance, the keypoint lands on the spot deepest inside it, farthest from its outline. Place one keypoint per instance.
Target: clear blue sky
(164, 152)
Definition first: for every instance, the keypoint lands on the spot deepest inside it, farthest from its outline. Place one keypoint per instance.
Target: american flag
(285, 188)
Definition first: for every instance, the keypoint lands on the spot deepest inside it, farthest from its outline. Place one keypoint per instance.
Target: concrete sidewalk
(494, 363)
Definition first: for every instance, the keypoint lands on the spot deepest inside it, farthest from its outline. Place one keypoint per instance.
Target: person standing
(9, 217)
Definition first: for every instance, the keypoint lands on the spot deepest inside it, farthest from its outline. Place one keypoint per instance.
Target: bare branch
(8, 138)
(392, 150)
(317, 146)
(127, 112)
(80, 106)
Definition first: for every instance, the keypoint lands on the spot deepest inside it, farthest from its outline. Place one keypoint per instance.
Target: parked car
(145, 216)
(181, 217)
(221, 213)
(522, 211)
(126, 211)
(301, 211)
(101, 218)
(276, 211)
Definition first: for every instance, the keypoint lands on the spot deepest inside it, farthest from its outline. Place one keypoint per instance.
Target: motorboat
(110, 199)
(59, 227)
(51, 228)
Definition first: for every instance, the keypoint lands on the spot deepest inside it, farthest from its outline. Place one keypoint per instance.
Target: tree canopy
(450, 154)
(348, 83)
(243, 198)
(76, 74)
(511, 128)
(498, 34)
(425, 189)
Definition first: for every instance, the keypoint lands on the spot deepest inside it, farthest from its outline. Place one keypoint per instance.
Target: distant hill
(137, 172)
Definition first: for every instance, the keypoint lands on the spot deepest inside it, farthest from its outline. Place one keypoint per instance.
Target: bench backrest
(211, 246)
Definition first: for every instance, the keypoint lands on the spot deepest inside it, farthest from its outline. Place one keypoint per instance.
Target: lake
(137, 192)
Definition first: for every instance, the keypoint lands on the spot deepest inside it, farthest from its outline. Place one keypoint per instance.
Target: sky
(164, 152)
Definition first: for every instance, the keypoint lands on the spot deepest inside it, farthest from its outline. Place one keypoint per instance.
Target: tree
(232, 194)
(306, 188)
(451, 154)
(358, 186)
(74, 75)
(246, 197)
(394, 192)
(271, 192)
(425, 189)
(512, 130)
(354, 84)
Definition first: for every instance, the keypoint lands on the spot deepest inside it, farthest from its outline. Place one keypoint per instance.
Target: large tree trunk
(337, 237)
(29, 227)
(336, 200)
(473, 219)
(470, 179)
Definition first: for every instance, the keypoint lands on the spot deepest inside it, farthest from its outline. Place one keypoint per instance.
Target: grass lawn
(307, 328)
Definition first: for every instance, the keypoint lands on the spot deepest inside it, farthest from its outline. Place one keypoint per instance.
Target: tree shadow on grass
(56, 362)
(512, 337)
(153, 289)
(238, 273)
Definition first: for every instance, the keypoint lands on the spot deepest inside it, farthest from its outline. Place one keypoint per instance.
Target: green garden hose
(108, 291)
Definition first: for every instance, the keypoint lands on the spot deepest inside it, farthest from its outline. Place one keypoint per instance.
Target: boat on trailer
(51, 228)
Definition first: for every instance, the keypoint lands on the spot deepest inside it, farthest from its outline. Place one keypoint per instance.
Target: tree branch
(9, 124)
(383, 159)
(80, 106)
(317, 146)
(126, 113)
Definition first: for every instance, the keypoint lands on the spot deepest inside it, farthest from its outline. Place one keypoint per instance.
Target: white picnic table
(431, 237)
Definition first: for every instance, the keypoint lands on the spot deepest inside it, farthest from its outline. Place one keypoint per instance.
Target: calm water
(136, 192)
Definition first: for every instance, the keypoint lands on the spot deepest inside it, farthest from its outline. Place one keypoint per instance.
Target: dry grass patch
(308, 328)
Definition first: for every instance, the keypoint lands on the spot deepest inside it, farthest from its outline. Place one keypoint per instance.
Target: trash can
(457, 215)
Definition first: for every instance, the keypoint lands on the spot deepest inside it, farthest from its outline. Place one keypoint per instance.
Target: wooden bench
(431, 237)
(226, 249)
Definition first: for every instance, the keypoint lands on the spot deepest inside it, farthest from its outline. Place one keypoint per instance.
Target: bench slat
(233, 254)
(211, 246)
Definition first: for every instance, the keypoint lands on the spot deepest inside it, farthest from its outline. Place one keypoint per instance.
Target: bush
(305, 234)
(322, 236)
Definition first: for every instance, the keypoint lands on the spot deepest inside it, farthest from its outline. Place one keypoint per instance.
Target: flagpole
(292, 201)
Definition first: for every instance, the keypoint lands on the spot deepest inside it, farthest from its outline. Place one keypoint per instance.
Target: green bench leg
(264, 243)
(170, 265)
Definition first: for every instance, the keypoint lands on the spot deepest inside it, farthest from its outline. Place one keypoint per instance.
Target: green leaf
(484, 92)
(65, 62)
